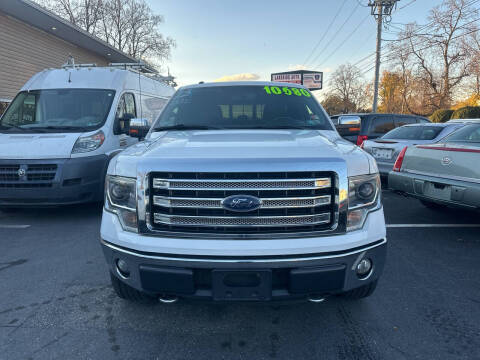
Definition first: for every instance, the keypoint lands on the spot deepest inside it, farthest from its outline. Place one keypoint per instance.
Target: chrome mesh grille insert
(243, 221)
(242, 184)
(217, 203)
(290, 202)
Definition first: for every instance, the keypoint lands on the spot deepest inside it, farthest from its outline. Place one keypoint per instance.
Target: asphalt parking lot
(56, 301)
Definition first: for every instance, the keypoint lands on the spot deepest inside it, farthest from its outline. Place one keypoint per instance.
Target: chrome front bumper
(292, 277)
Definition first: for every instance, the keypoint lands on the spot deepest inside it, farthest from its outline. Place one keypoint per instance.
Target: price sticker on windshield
(285, 90)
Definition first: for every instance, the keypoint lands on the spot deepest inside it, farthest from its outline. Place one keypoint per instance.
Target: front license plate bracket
(242, 285)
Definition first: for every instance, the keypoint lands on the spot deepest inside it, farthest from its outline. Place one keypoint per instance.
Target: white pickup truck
(243, 192)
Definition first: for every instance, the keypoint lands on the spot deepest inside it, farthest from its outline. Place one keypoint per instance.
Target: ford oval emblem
(241, 203)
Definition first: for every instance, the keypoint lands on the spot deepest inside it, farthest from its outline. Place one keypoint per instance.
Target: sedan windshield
(59, 110)
(414, 133)
(242, 107)
(468, 134)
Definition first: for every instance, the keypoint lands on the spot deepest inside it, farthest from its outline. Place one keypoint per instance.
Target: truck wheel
(361, 292)
(432, 205)
(126, 292)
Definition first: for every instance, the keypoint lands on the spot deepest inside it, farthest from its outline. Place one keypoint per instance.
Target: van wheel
(432, 205)
(361, 292)
(128, 293)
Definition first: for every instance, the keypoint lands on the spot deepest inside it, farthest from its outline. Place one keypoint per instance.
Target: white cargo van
(61, 130)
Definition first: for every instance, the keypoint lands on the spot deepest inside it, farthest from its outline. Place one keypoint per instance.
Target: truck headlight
(121, 199)
(363, 197)
(88, 143)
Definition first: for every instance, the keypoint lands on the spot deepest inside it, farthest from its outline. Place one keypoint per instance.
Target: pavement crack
(7, 265)
(356, 345)
(112, 334)
(50, 343)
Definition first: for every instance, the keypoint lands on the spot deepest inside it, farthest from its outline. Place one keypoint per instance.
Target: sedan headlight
(89, 143)
(363, 197)
(121, 198)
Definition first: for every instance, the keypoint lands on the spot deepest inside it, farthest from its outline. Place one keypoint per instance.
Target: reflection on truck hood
(259, 148)
(36, 146)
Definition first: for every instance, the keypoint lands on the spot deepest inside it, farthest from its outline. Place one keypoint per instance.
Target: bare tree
(131, 26)
(436, 55)
(128, 25)
(86, 14)
(472, 45)
(348, 86)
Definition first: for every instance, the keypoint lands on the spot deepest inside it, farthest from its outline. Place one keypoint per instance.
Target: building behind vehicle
(33, 39)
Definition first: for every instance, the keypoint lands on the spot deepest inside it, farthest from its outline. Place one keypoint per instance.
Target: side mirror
(138, 128)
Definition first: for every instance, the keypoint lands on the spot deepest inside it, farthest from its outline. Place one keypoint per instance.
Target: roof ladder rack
(139, 66)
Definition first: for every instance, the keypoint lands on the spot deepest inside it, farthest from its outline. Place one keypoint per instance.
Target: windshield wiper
(60, 128)
(7, 126)
(283, 128)
(185, 127)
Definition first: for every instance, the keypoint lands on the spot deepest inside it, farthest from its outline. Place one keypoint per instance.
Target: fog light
(364, 267)
(122, 268)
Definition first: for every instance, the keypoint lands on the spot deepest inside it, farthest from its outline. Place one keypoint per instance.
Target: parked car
(386, 148)
(243, 191)
(464, 121)
(445, 173)
(357, 128)
(61, 130)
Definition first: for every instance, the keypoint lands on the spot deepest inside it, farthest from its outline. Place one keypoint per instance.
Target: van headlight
(88, 143)
(363, 197)
(121, 199)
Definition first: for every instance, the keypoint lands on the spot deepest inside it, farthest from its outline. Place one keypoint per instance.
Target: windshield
(58, 110)
(414, 133)
(467, 134)
(243, 107)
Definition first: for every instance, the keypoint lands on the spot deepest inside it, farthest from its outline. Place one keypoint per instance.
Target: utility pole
(381, 10)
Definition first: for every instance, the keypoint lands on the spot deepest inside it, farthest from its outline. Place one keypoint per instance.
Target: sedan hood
(37, 146)
(240, 150)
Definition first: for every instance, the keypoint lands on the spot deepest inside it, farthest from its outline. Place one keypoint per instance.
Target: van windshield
(242, 107)
(58, 110)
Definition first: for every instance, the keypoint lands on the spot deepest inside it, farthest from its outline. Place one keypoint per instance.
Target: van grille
(27, 175)
(290, 202)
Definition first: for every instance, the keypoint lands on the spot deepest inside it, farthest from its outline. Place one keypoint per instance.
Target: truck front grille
(27, 175)
(290, 202)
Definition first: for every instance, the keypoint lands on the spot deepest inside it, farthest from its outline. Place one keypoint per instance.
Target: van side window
(383, 124)
(126, 105)
(130, 104)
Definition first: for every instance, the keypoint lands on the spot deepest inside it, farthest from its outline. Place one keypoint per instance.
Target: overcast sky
(253, 38)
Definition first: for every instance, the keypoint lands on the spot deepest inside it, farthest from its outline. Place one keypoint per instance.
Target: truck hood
(242, 150)
(37, 146)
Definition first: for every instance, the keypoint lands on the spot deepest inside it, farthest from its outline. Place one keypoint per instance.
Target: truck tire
(361, 292)
(432, 205)
(128, 293)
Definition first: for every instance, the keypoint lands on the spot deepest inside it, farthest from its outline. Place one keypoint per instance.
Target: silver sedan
(445, 173)
(386, 149)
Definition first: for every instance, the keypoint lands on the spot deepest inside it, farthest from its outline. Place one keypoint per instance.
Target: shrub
(467, 112)
(441, 116)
